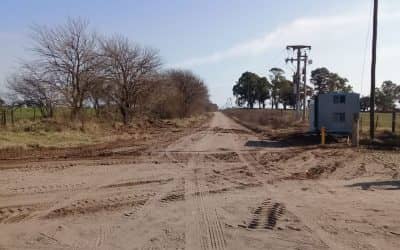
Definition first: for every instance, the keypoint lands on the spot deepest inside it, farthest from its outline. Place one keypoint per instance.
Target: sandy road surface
(220, 188)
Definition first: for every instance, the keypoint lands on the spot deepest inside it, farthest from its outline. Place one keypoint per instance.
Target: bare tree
(192, 92)
(69, 53)
(34, 87)
(128, 67)
(99, 96)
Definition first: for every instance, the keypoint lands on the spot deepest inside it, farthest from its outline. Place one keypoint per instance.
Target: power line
(366, 49)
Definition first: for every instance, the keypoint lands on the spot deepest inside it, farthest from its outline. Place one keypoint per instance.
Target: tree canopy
(282, 89)
(387, 95)
(325, 81)
(365, 103)
(251, 88)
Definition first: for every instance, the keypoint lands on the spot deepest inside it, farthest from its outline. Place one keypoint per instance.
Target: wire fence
(384, 122)
(10, 116)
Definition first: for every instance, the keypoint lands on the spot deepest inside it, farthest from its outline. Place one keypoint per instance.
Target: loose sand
(218, 188)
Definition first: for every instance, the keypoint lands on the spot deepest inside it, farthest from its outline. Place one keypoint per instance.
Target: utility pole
(373, 70)
(298, 49)
(305, 86)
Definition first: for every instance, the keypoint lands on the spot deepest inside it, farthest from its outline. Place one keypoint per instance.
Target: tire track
(18, 213)
(41, 189)
(208, 230)
(266, 216)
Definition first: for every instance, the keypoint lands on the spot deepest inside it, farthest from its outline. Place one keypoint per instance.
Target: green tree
(282, 89)
(277, 76)
(326, 81)
(286, 95)
(251, 88)
(387, 95)
(364, 103)
(262, 91)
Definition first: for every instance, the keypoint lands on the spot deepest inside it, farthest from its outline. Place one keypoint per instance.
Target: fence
(383, 122)
(9, 116)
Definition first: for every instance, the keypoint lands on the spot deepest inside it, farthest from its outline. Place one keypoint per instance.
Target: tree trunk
(96, 107)
(74, 113)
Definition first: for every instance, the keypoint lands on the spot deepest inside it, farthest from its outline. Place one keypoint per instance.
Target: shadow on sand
(385, 185)
(290, 140)
(266, 144)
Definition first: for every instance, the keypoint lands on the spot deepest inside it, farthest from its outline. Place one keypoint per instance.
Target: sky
(220, 39)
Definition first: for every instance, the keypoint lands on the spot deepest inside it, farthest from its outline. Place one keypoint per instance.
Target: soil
(220, 186)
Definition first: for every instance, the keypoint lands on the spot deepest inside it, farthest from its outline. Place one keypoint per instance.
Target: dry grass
(265, 119)
(50, 133)
(383, 122)
(60, 134)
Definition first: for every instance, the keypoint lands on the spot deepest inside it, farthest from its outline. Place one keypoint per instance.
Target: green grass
(34, 113)
(383, 120)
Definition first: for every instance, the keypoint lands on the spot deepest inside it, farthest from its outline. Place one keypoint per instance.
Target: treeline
(386, 98)
(251, 88)
(75, 68)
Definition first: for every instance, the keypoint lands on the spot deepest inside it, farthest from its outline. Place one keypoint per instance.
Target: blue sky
(219, 40)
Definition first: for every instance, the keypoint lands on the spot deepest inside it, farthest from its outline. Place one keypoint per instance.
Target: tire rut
(267, 215)
(208, 230)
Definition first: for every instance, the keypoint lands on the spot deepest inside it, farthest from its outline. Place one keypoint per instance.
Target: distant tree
(286, 96)
(127, 68)
(326, 81)
(387, 95)
(282, 89)
(277, 77)
(100, 94)
(70, 52)
(365, 103)
(2, 102)
(251, 88)
(33, 87)
(262, 91)
(191, 93)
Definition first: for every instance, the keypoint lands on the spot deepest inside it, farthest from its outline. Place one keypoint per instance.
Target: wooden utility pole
(305, 86)
(373, 70)
(394, 121)
(297, 79)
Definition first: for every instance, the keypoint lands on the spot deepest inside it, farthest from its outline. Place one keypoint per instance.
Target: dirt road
(219, 188)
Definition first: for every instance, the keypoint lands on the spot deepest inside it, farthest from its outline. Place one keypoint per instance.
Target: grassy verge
(27, 134)
(266, 120)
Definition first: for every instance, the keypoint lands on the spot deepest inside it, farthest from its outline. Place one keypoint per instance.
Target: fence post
(394, 122)
(4, 117)
(376, 123)
(323, 135)
(356, 131)
(12, 117)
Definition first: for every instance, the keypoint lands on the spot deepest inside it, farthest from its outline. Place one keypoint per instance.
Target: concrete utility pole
(298, 49)
(373, 69)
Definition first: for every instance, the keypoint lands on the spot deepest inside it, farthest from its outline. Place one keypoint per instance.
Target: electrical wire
(367, 39)
(277, 58)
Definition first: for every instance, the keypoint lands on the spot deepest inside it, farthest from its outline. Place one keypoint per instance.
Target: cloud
(302, 30)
